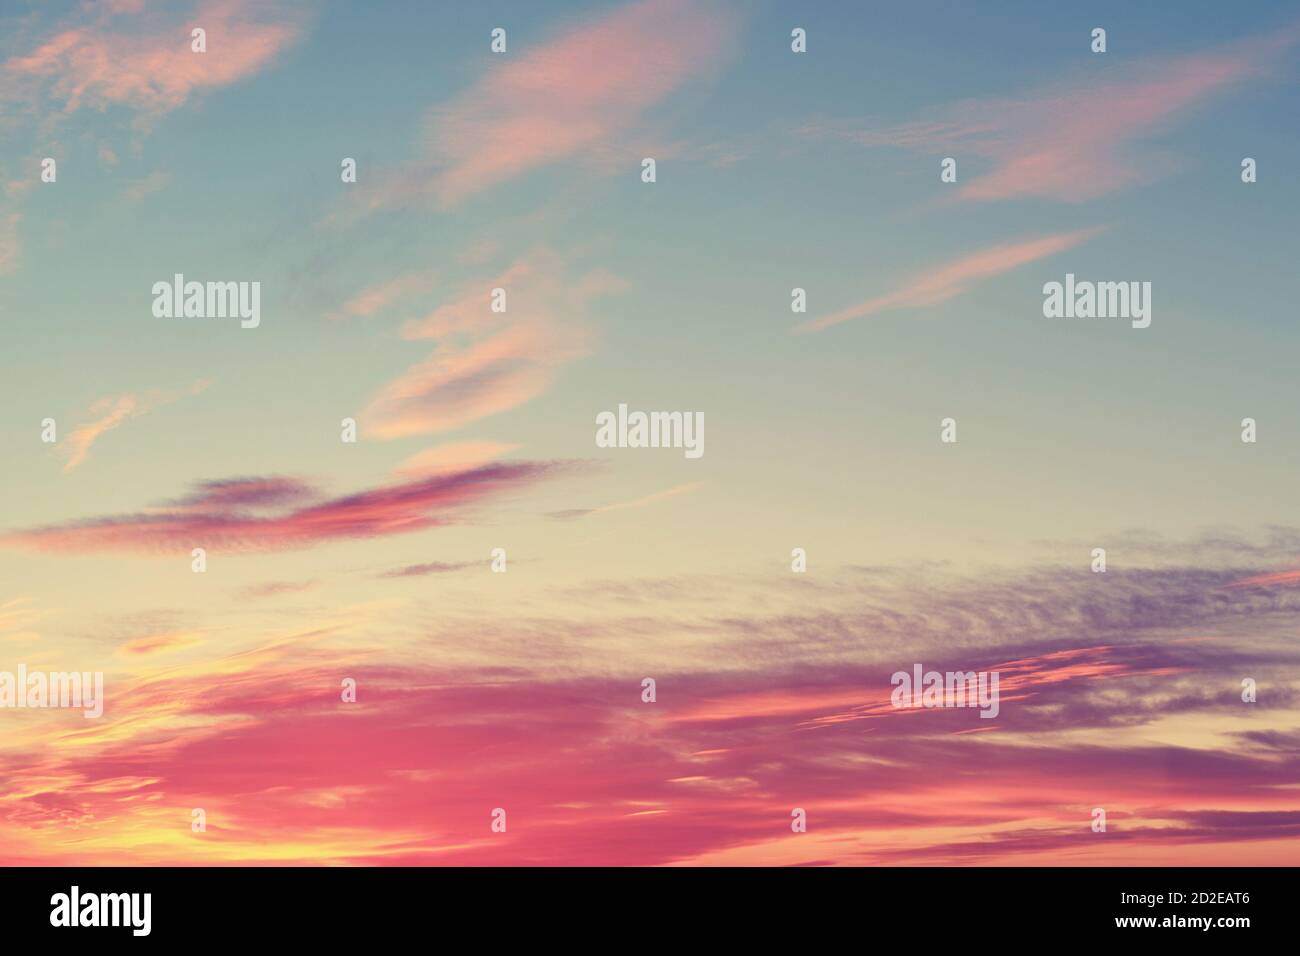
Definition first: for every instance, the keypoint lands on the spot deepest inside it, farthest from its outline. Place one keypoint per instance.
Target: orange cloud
(458, 456)
(161, 643)
(112, 412)
(956, 277)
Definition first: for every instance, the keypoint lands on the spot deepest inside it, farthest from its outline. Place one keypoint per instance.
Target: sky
(372, 561)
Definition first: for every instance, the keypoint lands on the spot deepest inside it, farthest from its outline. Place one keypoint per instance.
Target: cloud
(1274, 579)
(378, 297)
(227, 516)
(641, 502)
(147, 64)
(454, 387)
(433, 567)
(150, 184)
(490, 362)
(113, 411)
(562, 100)
(164, 643)
(235, 493)
(120, 55)
(1070, 142)
(591, 775)
(457, 456)
(1122, 694)
(956, 277)
(275, 589)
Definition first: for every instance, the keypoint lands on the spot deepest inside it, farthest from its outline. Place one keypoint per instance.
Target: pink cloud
(956, 277)
(1277, 578)
(856, 702)
(589, 774)
(150, 66)
(1068, 142)
(565, 99)
(233, 516)
(378, 297)
(489, 362)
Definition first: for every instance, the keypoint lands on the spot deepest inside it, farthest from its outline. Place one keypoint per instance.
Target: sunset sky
(522, 690)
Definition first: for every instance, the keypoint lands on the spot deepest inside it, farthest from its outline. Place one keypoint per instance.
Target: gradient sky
(522, 690)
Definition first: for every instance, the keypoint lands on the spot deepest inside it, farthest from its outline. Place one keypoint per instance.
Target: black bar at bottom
(644, 906)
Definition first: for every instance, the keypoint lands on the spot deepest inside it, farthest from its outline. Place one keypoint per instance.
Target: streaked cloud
(384, 294)
(431, 567)
(708, 774)
(490, 362)
(228, 518)
(1073, 141)
(163, 643)
(457, 456)
(952, 279)
(1274, 579)
(113, 411)
(642, 502)
(564, 99)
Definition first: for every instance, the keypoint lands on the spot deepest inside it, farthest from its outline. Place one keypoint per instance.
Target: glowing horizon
(498, 576)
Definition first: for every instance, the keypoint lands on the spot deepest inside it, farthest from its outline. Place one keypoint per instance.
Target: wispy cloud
(141, 59)
(489, 362)
(382, 295)
(431, 567)
(956, 277)
(1123, 695)
(237, 516)
(162, 643)
(150, 184)
(562, 100)
(113, 411)
(1072, 141)
(137, 58)
(457, 456)
(642, 502)
(276, 588)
